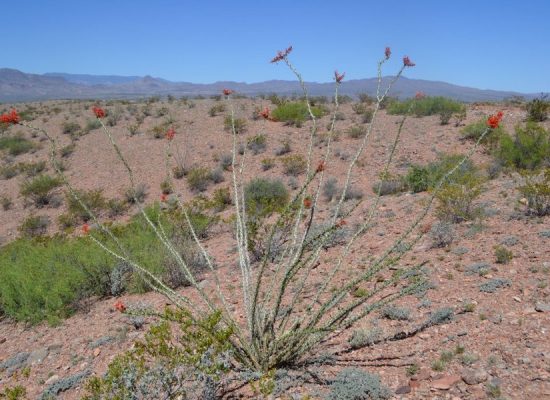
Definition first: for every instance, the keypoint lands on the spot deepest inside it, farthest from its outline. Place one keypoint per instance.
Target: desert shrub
(92, 199)
(356, 131)
(537, 109)
(284, 148)
(178, 358)
(239, 124)
(179, 172)
(365, 337)
(166, 187)
(426, 106)
(396, 313)
(389, 184)
(66, 151)
(268, 163)
(221, 199)
(445, 116)
(14, 393)
(9, 171)
(216, 109)
(366, 98)
(355, 384)
(456, 198)
(330, 188)
(70, 128)
(32, 169)
(294, 164)
(367, 116)
(35, 225)
(199, 178)
(137, 194)
(503, 255)
(529, 149)
(226, 161)
(257, 144)
(6, 203)
(493, 285)
(418, 178)
(216, 176)
(116, 207)
(39, 189)
(265, 196)
(16, 145)
(536, 189)
(475, 130)
(92, 124)
(359, 108)
(442, 234)
(295, 113)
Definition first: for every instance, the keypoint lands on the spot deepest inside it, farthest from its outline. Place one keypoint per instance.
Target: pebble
(97, 350)
(403, 389)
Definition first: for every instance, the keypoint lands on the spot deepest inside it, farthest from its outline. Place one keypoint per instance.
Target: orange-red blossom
(494, 120)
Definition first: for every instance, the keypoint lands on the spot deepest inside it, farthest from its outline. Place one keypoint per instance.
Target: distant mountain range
(19, 86)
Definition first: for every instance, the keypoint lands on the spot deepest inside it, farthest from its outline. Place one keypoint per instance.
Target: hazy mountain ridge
(19, 86)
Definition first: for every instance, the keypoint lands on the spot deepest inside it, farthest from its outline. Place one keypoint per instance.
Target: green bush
(93, 199)
(503, 255)
(216, 109)
(529, 149)
(257, 144)
(70, 128)
(35, 225)
(356, 131)
(294, 164)
(475, 130)
(230, 123)
(426, 106)
(265, 196)
(16, 145)
(456, 198)
(536, 189)
(39, 189)
(295, 113)
(537, 109)
(199, 178)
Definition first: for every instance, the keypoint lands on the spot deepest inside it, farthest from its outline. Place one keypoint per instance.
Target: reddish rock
(446, 382)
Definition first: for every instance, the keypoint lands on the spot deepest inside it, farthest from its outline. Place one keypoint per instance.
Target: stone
(52, 379)
(3, 340)
(422, 375)
(403, 389)
(542, 307)
(474, 376)
(446, 382)
(37, 356)
(97, 350)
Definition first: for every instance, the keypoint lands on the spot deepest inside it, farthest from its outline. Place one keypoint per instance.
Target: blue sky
(502, 45)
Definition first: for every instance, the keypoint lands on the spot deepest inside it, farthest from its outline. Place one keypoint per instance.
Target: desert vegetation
(282, 265)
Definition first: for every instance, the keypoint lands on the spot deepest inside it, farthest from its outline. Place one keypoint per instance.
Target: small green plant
(265, 196)
(70, 128)
(294, 165)
(396, 313)
(353, 383)
(412, 369)
(456, 199)
(268, 163)
(14, 393)
(356, 131)
(503, 255)
(438, 365)
(216, 109)
(136, 194)
(39, 189)
(6, 203)
(257, 144)
(92, 199)
(426, 106)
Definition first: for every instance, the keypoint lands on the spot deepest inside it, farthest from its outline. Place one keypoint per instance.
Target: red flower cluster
(387, 53)
(99, 112)
(281, 55)
(163, 197)
(307, 202)
(419, 95)
(407, 62)
(265, 113)
(119, 306)
(341, 223)
(170, 134)
(494, 120)
(85, 229)
(227, 92)
(11, 118)
(338, 77)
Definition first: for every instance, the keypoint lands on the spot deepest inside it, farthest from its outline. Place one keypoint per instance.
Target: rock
(403, 389)
(446, 382)
(422, 375)
(52, 379)
(542, 307)
(55, 348)
(474, 376)
(3, 340)
(97, 351)
(37, 356)
(424, 336)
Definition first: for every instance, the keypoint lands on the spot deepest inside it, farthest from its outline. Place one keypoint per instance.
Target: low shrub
(216, 109)
(93, 199)
(356, 131)
(353, 383)
(475, 130)
(230, 123)
(295, 113)
(35, 225)
(503, 255)
(136, 194)
(265, 196)
(294, 164)
(426, 106)
(70, 128)
(199, 178)
(456, 199)
(16, 145)
(257, 144)
(39, 189)
(529, 149)
(537, 109)
(268, 163)
(536, 189)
